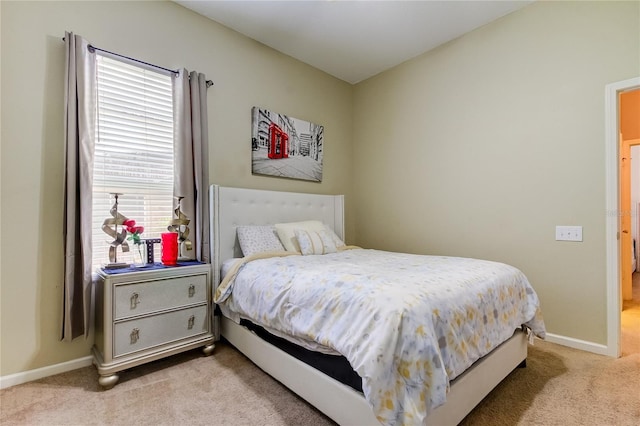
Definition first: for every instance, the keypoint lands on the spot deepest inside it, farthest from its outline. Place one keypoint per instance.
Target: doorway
(629, 182)
(613, 248)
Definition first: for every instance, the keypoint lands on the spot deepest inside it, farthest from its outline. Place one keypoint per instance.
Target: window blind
(134, 153)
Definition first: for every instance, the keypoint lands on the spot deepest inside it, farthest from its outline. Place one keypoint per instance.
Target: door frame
(614, 302)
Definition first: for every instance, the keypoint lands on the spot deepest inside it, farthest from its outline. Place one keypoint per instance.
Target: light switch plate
(569, 233)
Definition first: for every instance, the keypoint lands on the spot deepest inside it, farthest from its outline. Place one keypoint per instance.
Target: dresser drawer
(152, 296)
(143, 333)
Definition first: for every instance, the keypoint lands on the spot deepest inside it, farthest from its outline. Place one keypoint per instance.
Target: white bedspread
(408, 324)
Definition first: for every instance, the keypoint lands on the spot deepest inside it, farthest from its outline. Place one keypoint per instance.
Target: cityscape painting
(284, 146)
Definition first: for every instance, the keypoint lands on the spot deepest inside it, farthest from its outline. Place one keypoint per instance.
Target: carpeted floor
(560, 386)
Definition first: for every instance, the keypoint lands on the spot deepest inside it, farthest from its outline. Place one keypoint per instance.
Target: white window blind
(134, 152)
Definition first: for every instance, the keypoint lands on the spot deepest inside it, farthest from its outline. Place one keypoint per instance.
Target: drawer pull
(192, 290)
(192, 320)
(135, 335)
(134, 300)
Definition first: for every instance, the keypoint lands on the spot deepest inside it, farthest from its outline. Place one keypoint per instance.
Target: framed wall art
(285, 146)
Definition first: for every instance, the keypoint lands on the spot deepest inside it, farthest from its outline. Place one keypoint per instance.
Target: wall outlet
(568, 233)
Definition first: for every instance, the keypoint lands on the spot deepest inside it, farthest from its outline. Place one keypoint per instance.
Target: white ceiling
(353, 40)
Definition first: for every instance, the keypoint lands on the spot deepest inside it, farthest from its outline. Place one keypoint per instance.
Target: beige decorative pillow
(287, 232)
(315, 242)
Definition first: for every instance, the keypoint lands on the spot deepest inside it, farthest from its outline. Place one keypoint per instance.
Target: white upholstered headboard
(232, 207)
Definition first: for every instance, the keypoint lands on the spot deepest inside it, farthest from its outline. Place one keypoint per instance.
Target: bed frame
(232, 207)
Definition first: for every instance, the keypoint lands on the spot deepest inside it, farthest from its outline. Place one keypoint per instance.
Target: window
(134, 153)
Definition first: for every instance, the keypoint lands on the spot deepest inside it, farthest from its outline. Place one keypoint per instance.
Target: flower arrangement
(134, 235)
(133, 230)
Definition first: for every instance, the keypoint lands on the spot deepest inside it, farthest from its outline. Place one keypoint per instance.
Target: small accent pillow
(287, 232)
(315, 242)
(258, 239)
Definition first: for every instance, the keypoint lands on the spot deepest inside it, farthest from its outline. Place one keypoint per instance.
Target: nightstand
(144, 314)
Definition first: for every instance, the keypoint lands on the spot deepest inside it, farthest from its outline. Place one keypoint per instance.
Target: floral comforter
(408, 324)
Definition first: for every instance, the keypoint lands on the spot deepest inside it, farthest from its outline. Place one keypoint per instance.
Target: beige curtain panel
(192, 156)
(79, 133)
(191, 174)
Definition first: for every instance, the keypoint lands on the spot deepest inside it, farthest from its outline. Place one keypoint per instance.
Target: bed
(237, 207)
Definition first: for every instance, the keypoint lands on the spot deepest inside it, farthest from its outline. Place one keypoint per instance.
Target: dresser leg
(107, 382)
(208, 350)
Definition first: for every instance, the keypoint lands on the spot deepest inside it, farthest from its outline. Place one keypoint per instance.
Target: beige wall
(481, 147)
(478, 148)
(245, 72)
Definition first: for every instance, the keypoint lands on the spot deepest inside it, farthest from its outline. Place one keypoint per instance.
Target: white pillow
(286, 232)
(257, 239)
(315, 242)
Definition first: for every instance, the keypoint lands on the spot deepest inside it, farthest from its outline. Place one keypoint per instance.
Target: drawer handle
(192, 290)
(135, 335)
(134, 300)
(192, 320)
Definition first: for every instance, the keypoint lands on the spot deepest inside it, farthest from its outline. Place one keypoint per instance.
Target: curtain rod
(93, 48)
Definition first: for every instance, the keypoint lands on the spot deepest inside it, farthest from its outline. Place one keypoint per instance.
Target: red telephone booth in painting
(278, 142)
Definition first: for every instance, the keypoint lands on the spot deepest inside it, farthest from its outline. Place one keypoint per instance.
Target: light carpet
(559, 386)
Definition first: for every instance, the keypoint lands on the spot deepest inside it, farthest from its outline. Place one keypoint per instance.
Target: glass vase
(139, 255)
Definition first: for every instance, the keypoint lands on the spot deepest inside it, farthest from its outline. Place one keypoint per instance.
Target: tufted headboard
(232, 207)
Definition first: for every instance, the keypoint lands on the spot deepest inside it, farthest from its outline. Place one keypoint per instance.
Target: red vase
(169, 248)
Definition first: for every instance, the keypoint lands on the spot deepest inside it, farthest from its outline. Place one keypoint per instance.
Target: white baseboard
(596, 348)
(39, 373)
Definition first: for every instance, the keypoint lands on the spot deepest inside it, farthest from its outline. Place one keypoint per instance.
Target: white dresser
(143, 315)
